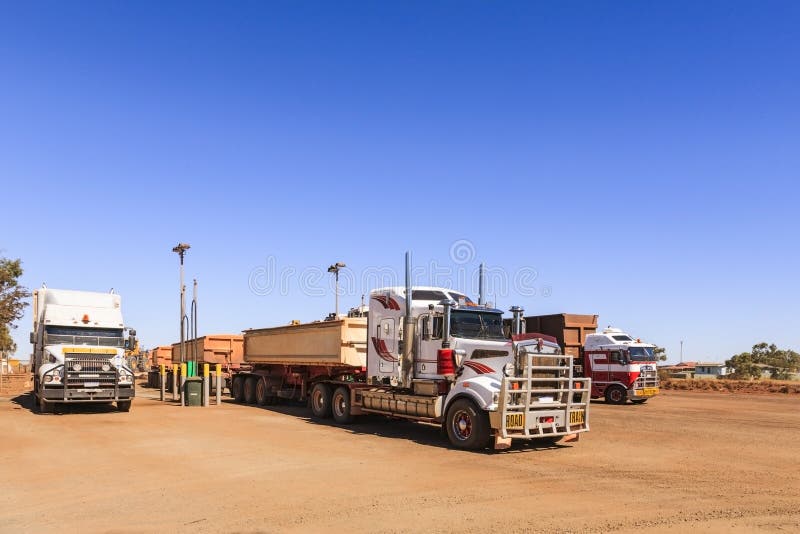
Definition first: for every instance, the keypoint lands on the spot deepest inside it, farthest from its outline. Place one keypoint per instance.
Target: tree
(660, 353)
(780, 363)
(12, 301)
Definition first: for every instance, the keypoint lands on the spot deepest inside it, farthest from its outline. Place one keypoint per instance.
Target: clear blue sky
(641, 157)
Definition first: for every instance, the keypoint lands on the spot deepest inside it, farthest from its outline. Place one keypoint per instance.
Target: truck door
(425, 361)
(599, 370)
(388, 335)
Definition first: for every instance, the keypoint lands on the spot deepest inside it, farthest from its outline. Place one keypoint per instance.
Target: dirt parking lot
(686, 461)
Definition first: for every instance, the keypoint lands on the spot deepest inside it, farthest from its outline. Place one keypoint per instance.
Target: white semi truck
(426, 354)
(79, 349)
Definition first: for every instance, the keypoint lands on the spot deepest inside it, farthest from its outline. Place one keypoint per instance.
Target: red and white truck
(622, 368)
(426, 354)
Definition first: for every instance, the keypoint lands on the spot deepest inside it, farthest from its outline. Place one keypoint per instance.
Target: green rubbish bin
(193, 391)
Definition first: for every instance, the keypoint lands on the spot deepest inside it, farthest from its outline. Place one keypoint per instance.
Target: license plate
(576, 418)
(515, 421)
(91, 384)
(649, 392)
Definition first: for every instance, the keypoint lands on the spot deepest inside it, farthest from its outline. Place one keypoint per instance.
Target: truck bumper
(88, 394)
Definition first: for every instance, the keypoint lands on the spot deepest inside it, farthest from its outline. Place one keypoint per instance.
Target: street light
(180, 249)
(335, 270)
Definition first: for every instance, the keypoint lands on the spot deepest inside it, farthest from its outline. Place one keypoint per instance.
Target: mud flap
(571, 438)
(500, 443)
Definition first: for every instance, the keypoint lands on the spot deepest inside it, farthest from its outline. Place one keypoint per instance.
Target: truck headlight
(508, 369)
(48, 379)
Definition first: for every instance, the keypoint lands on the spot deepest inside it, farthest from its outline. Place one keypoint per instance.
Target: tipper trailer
(426, 354)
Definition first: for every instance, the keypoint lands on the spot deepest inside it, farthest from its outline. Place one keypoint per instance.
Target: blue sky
(634, 160)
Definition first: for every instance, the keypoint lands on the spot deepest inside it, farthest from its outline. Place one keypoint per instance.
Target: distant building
(710, 370)
(681, 370)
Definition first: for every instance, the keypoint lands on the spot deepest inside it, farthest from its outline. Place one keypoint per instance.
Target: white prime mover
(426, 354)
(79, 349)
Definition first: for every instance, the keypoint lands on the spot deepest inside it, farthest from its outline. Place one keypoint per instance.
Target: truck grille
(647, 379)
(91, 374)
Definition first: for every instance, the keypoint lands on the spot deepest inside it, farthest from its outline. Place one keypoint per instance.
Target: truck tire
(250, 390)
(467, 425)
(44, 406)
(237, 389)
(262, 396)
(616, 394)
(320, 401)
(340, 406)
(124, 406)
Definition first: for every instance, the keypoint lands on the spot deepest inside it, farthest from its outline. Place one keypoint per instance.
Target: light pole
(180, 249)
(681, 351)
(335, 270)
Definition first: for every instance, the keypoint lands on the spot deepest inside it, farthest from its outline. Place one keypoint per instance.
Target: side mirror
(426, 328)
(33, 339)
(131, 332)
(127, 343)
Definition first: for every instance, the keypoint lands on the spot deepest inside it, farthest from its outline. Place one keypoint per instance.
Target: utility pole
(180, 249)
(335, 270)
(681, 351)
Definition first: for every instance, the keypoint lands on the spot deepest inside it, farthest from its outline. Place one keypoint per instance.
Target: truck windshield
(479, 325)
(105, 337)
(642, 354)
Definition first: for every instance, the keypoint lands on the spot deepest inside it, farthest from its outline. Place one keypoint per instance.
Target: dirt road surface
(683, 462)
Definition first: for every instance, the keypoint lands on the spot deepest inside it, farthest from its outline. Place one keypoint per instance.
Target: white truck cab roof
(612, 337)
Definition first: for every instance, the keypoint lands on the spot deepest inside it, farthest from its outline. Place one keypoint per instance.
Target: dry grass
(734, 386)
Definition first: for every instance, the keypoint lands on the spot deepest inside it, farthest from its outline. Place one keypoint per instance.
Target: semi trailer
(79, 347)
(424, 354)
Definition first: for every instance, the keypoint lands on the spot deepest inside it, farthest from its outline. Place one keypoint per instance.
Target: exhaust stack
(481, 297)
(516, 325)
(407, 363)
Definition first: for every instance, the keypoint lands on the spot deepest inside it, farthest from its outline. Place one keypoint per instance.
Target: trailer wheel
(616, 394)
(262, 397)
(250, 390)
(320, 401)
(467, 425)
(340, 406)
(237, 389)
(124, 406)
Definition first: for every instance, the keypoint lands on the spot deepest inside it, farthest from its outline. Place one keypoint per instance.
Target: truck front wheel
(124, 406)
(467, 425)
(320, 401)
(340, 406)
(44, 406)
(616, 394)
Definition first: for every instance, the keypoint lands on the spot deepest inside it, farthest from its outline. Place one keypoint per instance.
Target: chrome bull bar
(545, 401)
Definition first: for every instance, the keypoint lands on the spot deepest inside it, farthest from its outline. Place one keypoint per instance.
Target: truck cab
(79, 347)
(622, 368)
